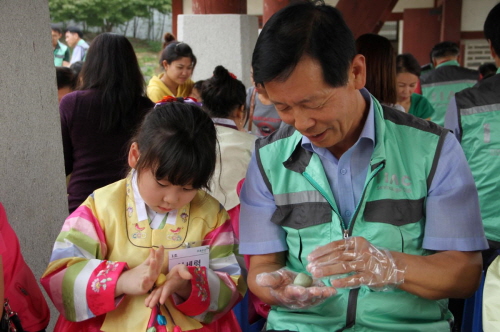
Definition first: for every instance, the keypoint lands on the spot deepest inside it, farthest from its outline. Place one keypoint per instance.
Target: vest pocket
(397, 212)
(302, 215)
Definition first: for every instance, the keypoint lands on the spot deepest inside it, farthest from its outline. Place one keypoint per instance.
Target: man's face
(55, 37)
(71, 38)
(331, 118)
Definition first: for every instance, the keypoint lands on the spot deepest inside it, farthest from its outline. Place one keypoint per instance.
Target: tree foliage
(105, 14)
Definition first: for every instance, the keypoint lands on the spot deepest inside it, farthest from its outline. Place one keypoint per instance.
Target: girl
(224, 99)
(118, 245)
(178, 61)
(407, 79)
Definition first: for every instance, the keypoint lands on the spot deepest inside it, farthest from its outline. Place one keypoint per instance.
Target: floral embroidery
(201, 283)
(130, 209)
(98, 284)
(174, 237)
(184, 216)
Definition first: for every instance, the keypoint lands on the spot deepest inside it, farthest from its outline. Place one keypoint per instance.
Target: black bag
(10, 320)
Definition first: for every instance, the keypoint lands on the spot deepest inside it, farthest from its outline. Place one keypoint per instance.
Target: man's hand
(365, 264)
(293, 296)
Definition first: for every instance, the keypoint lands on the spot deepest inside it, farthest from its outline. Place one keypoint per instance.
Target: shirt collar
(368, 131)
(449, 63)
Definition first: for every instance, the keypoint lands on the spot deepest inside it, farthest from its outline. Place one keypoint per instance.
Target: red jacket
(20, 285)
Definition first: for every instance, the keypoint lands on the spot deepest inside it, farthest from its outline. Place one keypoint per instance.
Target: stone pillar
(226, 40)
(32, 181)
(271, 7)
(219, 6)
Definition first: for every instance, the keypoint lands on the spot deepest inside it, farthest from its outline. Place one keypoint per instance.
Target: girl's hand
(178, 282)
(140, 279)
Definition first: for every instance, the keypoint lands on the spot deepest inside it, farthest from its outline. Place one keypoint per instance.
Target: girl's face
(406, 84)
(179, 71)
(160, 195)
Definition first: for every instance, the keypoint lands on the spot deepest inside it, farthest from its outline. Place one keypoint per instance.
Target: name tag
(197, 256)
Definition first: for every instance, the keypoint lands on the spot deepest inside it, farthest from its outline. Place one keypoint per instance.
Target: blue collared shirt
(453, 220)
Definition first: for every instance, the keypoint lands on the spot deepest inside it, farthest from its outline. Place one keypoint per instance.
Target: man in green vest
(377, 206)
(440, 84)
(61, 51)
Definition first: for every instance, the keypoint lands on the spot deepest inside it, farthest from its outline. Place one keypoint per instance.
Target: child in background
(109, 260)
(196, 91)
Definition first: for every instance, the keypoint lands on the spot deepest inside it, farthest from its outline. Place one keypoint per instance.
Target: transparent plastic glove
(293, 296)
(365, 264)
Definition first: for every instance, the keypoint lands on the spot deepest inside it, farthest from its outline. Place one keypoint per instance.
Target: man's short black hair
(56, 28)
(304, 29)
(444, 49)
(492, 28)
(74, 29)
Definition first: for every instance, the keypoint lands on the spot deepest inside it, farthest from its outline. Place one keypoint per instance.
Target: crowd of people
(346, 189)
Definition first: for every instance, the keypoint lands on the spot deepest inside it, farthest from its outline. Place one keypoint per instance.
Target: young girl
(109, 262)
(178, 61)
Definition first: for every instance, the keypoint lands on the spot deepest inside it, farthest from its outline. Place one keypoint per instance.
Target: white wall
(474, 13)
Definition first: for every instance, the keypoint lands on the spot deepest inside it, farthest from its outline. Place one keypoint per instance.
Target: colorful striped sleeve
(80, 282)
(226, 285)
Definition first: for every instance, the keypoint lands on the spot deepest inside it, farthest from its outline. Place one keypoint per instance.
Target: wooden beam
(177, 9)
(472, 35)
(451, 20)
(366, 16)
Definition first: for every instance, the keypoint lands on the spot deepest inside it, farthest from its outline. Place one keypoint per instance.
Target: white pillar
(220, 39)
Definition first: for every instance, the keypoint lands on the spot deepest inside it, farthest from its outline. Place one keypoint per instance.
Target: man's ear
(494, 54)
(357, 73)
(133, 155)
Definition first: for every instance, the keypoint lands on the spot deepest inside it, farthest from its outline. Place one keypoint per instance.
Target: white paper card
(197, 256)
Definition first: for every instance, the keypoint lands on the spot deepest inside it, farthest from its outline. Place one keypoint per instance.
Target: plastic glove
(366, 264)
(293, 296)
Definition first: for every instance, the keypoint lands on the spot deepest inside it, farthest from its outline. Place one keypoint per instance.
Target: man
(61, 51)
(346, 178)
(473, 115)
(447, 78)
(74, 40)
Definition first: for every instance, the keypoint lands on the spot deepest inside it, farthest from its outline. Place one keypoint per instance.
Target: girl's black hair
(178, 141)
(176, 50)
(222, 93)
(406, 63)
(111, 68)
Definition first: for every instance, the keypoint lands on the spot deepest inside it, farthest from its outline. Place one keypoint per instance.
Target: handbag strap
(10, 320)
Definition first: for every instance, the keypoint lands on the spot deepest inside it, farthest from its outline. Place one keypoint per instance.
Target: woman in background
(178, 62)
(408, 73)
(380, 60)
(98, 119)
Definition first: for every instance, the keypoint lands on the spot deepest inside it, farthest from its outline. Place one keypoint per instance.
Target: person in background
(123, 260)
(440, 84)
(380, 60)
(223, 98)
(66, 81)
(487, 70)
(359, 197)
(17, 282)
(98, 119)
(61, 51)
(178, 62)
(74, 39)
(262, 118)
(196, 92)
(407, 78)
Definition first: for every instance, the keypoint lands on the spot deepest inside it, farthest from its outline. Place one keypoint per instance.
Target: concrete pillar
(271, 7)
(32, 181)
(219, 6)
(226, 40)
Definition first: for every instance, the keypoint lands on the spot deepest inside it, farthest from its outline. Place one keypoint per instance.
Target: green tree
(105, 14)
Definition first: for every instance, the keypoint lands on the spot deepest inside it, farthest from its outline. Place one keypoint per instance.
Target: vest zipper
(352, 301)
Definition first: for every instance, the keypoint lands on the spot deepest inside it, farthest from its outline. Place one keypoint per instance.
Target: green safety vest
(441, 84)
(390, 214)
(479, 119)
